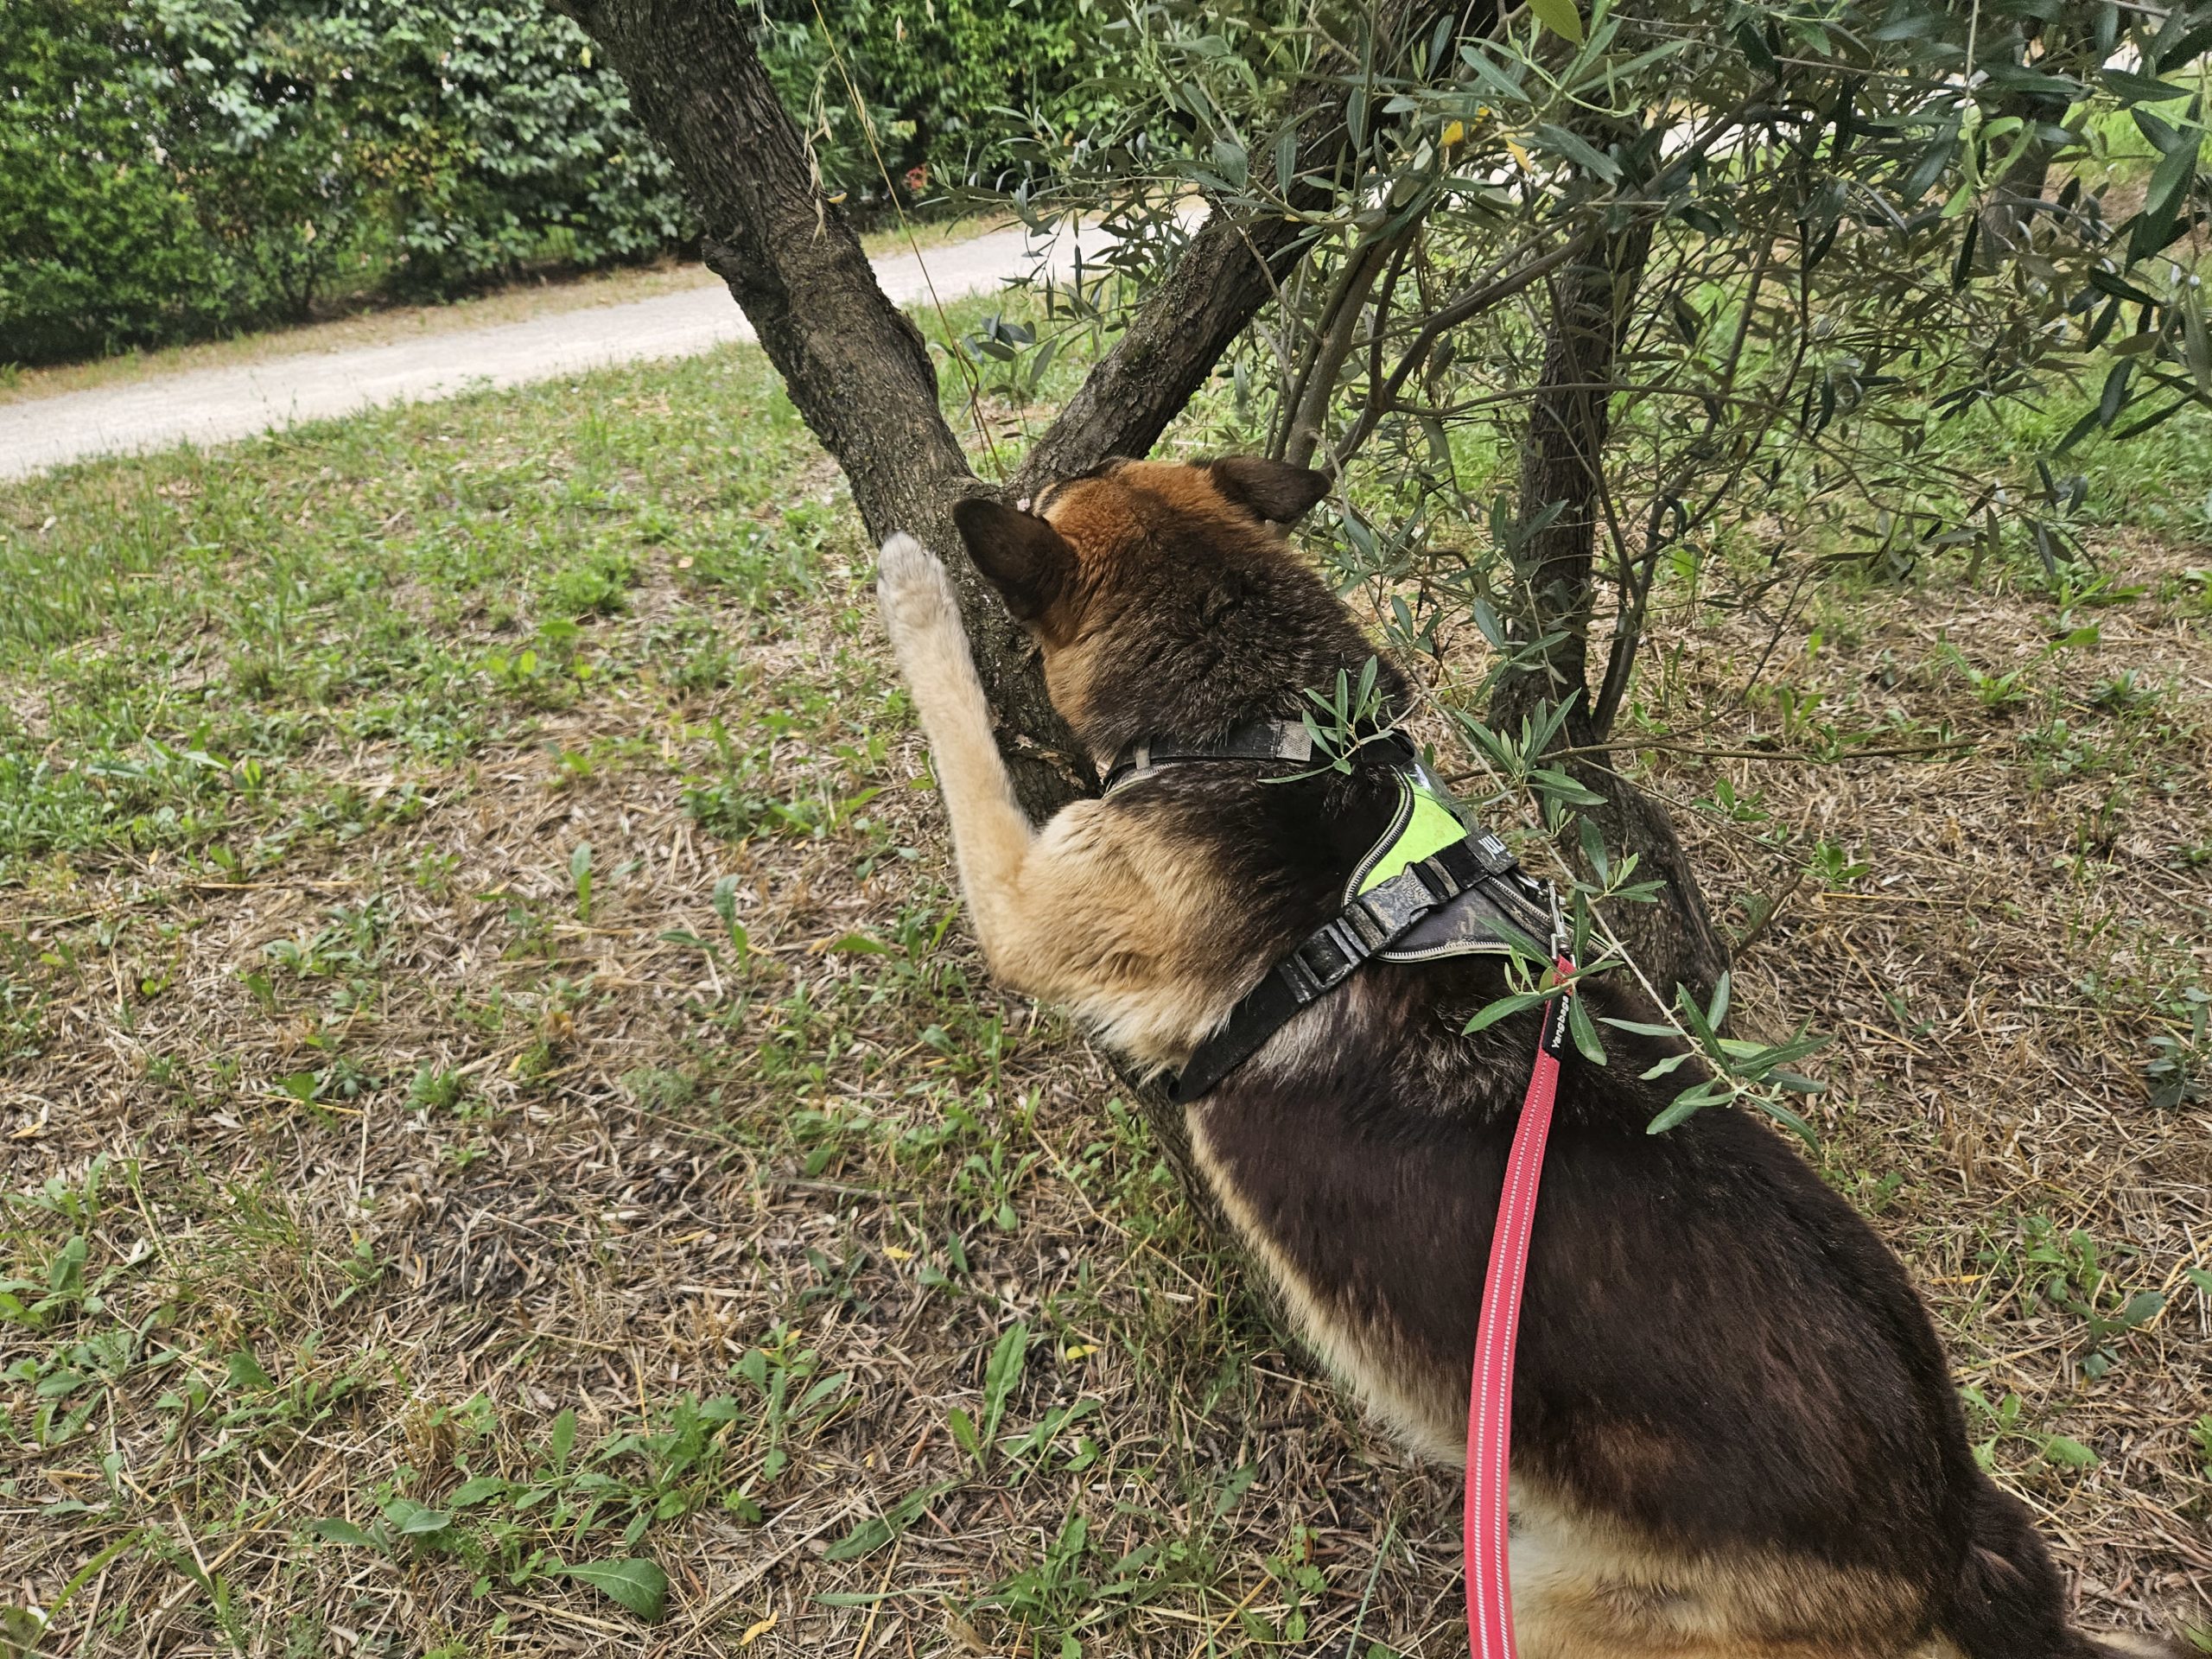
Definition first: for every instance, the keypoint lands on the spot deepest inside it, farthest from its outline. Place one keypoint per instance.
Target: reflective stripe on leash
(1490, 1401)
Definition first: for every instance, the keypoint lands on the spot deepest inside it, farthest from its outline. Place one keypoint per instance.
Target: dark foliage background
(958, 88)
(170, 171)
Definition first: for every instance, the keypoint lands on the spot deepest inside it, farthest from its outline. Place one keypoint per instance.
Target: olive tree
(1661, 260)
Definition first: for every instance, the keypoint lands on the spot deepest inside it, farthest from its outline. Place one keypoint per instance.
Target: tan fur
(1067, 682)
(1092, 514)
(1093, 912)
(1584, 1589)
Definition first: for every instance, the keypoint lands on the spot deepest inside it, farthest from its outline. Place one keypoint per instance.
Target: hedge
(173, 169)
(947, 84)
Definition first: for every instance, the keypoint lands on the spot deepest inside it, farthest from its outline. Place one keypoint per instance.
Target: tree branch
(1502, 281)
(1214, 290)
(1231, 268)
(1298, 423)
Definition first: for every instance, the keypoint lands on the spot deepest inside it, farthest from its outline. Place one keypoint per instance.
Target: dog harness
(1428, 887)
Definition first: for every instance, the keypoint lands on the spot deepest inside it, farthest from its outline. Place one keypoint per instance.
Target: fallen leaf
(758, 1629)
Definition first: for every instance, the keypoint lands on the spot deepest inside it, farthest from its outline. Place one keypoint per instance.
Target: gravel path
(214, 405)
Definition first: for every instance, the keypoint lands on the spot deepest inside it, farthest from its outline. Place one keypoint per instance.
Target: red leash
(1490, 1403)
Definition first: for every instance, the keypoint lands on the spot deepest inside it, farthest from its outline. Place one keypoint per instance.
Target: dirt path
(214, 405)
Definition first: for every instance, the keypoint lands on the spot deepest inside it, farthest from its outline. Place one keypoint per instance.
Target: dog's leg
(1076, 912)
(991, 835)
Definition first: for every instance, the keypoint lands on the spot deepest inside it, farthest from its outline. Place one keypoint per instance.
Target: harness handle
(1490, 1399)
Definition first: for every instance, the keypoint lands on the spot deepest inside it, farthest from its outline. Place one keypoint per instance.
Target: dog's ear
(1274, 490)
(1020, 555)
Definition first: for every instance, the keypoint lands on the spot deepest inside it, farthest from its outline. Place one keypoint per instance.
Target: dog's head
(1165, 597)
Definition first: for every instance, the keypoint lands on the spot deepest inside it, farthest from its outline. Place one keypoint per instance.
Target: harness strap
(1257, 740)
(1484, 1522)
(1371, 923)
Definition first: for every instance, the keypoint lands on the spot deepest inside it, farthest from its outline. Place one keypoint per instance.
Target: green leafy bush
(99, 240)
(172, 167)
(950, 85)
(525, 151)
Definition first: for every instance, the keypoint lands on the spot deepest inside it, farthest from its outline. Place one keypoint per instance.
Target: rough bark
(859, 372)
(1562, 453)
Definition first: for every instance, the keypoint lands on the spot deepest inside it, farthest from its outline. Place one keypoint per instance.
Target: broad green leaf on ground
(637, 1583)
(342, 1532)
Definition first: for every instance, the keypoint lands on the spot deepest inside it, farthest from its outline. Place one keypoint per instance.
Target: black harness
(1465, 896)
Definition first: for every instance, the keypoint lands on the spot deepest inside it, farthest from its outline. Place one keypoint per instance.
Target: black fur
(1274, 490)
(1716, 1350)
(1022, 555)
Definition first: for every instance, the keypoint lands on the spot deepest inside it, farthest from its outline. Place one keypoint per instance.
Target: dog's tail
(2010, 1602)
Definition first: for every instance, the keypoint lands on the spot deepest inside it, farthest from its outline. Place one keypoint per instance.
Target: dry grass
(1996, 982)
(779, 1228)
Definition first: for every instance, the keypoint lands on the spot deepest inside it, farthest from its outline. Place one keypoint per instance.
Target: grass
(505, 1138)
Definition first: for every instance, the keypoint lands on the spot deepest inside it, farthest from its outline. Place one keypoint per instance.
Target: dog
(1735, 1435)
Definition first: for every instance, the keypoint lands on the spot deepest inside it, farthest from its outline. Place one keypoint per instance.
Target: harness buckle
(1372, 926)
(1392, 906)
(1323, 961)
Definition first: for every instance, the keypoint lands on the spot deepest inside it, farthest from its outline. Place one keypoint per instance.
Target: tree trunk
(861, 374)
(1563, 458)
(859, 371)
(2007, 220)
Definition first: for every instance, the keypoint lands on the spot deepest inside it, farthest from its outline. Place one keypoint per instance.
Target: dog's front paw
(911, 589)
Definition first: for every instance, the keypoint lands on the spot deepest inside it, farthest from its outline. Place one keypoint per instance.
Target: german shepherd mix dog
(1734, 1431)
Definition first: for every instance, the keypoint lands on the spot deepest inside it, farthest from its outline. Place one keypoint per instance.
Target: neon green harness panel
(1424, 824)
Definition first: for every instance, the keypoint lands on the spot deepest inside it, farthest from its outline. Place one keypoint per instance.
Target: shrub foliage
(949, 86)
(168, 170)
(171, 168)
